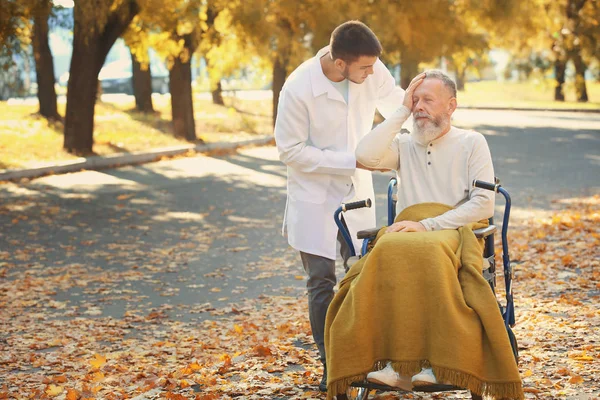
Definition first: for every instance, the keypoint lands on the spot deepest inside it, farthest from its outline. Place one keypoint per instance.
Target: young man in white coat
(326, 106)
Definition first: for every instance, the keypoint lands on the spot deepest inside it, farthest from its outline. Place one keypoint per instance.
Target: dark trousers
(321, 280)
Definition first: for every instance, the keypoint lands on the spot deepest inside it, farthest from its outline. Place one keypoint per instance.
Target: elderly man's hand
(406, 226)
(410, 90)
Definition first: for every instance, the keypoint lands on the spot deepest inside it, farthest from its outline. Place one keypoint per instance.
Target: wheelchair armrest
(367, 233)
(479, 233)
(485, 232)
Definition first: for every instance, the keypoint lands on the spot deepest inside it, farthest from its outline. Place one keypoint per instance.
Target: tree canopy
(277, 35)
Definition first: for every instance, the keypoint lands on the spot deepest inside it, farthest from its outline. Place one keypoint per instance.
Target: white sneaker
(424, 378)
(388, 376)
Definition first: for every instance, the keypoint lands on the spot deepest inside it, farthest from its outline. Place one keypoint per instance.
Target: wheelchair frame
(360, 390)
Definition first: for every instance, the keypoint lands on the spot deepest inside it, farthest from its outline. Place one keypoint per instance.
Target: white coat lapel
(320, 83)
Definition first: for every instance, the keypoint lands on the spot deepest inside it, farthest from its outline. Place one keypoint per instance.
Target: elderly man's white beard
(425, 131)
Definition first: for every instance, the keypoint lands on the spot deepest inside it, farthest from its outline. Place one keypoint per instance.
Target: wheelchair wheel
(356, 393)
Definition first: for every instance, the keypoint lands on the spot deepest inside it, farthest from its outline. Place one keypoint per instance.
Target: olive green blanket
(419, 299)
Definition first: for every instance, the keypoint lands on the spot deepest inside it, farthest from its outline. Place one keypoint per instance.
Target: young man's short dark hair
(353, 39)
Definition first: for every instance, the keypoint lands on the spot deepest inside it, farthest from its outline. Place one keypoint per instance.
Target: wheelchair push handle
(357, 204)
(486, 185)
(343, 229)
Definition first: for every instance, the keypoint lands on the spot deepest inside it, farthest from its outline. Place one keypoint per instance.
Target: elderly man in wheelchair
(415, 312)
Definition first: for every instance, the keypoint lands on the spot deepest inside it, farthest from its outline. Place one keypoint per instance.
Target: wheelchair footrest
(436, 388)
(426, 389)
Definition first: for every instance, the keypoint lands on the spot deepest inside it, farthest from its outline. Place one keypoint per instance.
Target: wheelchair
(360, 390)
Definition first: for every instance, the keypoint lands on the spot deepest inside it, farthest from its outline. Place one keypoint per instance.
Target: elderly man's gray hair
(442, 76)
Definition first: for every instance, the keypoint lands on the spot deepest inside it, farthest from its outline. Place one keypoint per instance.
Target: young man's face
(357, 71)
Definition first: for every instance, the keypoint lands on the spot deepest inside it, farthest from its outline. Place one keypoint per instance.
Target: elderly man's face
(432, 108)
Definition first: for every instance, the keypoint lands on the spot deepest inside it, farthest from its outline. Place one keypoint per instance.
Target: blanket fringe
(496, 390)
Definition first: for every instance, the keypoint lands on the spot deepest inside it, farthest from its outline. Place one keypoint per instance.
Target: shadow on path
(166, 236)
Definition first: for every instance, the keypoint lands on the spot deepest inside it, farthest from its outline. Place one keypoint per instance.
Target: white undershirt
(340, 186)
(341, 87)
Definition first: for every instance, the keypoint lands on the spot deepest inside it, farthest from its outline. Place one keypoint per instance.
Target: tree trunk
(89, 54)
(217, 95)
(182, 106)
(279, 75)
(142, 86)
(44, 68)
(460, 79)
(215, 39)
(26, 74)
(560, 66)
(409, 68)
(580, 87)
(82, 90)
(574, 19)
(460, 71)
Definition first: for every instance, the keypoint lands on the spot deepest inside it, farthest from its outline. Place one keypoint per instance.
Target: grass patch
(536, 94)
(28, 140)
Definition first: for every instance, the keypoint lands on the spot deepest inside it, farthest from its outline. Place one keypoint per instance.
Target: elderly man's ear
(452, 105)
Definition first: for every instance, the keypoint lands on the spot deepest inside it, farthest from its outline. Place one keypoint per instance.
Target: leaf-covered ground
(259, 348)
(558, 296)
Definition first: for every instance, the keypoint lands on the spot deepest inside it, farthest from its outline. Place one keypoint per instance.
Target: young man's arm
(291, 136)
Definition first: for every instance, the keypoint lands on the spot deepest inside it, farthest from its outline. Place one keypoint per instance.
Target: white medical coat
(316, 133)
